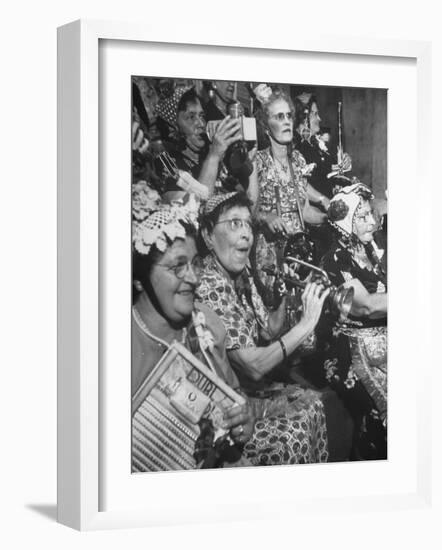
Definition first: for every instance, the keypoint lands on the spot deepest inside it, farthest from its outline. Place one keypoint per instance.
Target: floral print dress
(291, 426)
(273, 177)
(356, 362)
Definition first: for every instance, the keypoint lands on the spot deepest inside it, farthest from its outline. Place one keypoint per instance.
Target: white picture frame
(82, 296)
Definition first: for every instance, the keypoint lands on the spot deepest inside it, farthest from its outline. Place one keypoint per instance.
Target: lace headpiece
(344, 206)
(163, 225)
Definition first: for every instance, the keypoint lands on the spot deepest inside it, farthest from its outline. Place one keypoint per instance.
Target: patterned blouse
(342, 265)
(271, 174)
(241, 317)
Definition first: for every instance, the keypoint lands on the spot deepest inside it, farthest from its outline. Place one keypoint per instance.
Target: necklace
(284, 167)
(143, 327)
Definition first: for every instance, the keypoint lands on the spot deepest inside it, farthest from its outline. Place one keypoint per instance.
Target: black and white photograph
(259, 271)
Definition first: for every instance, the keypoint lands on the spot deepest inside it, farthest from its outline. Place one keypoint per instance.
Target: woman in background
(191, 150)
(357, 360)
(282, 196)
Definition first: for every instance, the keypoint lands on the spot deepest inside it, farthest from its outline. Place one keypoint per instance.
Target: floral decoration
(351, 379)
(205, 337)
(262, 93)
(331, 368)
(144, 200)
(338, 209)
(164, 225)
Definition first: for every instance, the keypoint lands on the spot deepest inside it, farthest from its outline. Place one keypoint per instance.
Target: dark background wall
(364, 119)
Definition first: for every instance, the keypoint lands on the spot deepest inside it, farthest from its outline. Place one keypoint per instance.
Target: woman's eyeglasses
(181, 269)
(282, 116)
(365, 217)
(235, 224)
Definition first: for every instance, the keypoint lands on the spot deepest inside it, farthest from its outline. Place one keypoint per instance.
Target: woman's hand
(346, 162)
(241, 423)
(312, 300)
(227, 132)
(308, 169)
(139, 141)
(275, 224)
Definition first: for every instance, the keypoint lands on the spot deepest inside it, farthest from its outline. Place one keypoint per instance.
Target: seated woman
(166, 273)
(191, 150)
(227, 288)
(282, 199)
(357, 362)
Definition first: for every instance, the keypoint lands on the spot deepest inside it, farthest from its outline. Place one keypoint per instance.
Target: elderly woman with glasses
(254, 340)
(169, 431)
(174, 424)
(281, 200)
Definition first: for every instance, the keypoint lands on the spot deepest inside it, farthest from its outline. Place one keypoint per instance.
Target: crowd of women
(256, 251)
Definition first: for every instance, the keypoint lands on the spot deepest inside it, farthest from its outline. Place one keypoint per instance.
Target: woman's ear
(207, 238)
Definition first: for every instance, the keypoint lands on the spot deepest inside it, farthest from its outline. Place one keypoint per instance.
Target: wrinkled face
(315, 119)
(231, 241)
(364, 223)
(280, 121)
(176, 295)
(225, 90)
(192, 124)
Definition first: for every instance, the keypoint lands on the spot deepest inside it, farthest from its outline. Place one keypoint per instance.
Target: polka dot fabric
(167, 108)
(216, 200)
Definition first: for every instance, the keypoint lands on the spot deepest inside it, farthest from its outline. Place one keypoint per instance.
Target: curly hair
(262, 114)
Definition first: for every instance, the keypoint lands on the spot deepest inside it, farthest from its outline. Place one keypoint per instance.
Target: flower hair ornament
(144, 200)
(345, 205)
(263, 93)
(164, 225)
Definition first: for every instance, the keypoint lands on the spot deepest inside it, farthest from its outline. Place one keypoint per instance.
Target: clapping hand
(227, 132)
(312, 301)
(275, 224)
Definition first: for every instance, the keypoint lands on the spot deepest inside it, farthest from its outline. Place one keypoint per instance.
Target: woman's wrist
(214, 154)
(324, 202)
(303, 329)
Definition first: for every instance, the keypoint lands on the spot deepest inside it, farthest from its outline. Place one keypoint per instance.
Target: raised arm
(227, 132)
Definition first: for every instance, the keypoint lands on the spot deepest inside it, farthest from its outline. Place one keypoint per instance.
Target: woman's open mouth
(243, 252)
(187, 292)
